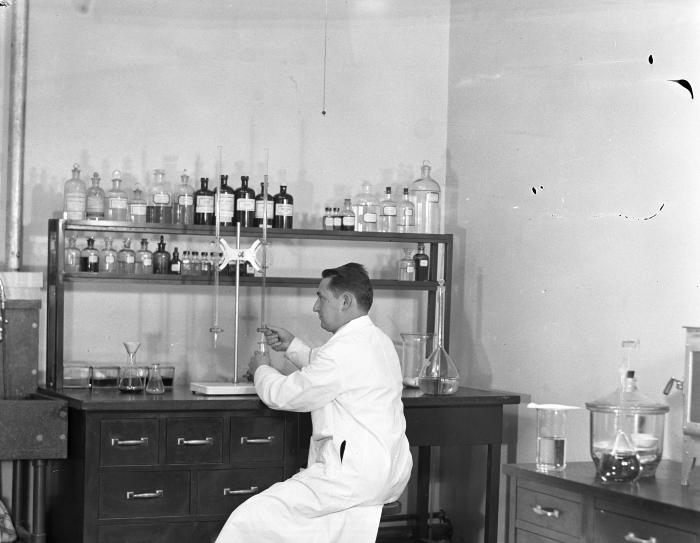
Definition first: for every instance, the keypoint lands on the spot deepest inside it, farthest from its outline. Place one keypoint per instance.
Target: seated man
(359, 456)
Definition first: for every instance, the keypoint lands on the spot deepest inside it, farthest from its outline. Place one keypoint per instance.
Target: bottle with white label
(74, 197)
(245, 204)
(126, 259)
(264, 207)
(116, 202)
(407, 270)
(90, 257)
(144, 260)
(405, 214)
(284, 209)
(95, 207)
(175, 262)
(366, 209)
(137, 206)
(387, 213)
(183, 201)
(108, 258)
(425, 196)
(204, 203)
(421, 263)
(224, 201)
(159, 209)
(348, 216)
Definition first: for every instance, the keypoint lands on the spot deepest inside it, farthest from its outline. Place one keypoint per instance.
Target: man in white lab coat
(359, 456)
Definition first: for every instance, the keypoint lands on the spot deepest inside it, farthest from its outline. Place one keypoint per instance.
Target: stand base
(222, 389)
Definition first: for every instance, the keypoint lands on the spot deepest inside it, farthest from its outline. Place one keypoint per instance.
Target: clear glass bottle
(439, 375)
(407, 270)
(161, 259)
(137, 206)
(175, 267)
(186, 264)
(183, 201)
(337, 219)
(204, 203)
(226, 202)
(387, 221)
(74, 197)
(261, 209)
(159, 209)
(206, 265)
(425, 196)
(90, 257)
(196, 263)
(405, 214)
(348, 216)
(71, 259)
(144, 260)
(245, 204)
(155, 380)
(421, 263)
(366, 209)
(126, 259)
(95, 206)
(284, 209)
(116, 202)
(327, 220)
(108, 258)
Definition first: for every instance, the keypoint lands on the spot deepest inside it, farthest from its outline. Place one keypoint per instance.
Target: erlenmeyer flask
(439, 375)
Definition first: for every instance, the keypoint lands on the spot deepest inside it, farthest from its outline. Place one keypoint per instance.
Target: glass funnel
(439, 375)
(131, 378)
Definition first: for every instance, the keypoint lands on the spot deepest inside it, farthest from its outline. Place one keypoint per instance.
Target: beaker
(415, 352)
(551, 439)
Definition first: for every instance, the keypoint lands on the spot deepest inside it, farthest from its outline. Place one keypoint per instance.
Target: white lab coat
(352, 387)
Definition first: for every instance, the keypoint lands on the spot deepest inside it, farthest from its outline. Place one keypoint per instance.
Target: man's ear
(348, 300)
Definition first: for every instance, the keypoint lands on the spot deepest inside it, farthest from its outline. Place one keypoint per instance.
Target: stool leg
(38, 533)
(20, 480)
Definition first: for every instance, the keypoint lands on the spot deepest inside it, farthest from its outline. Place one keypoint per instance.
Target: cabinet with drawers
(149, 469)
(574, 506)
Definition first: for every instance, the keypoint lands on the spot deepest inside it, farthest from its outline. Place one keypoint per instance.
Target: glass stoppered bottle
(159, 209)
(126, 259)
(245, 204)
(366, 209)
(186, 264)
(144, 260)
(405, 214)
(348, 216)
(183, 201)
(421, 263)
(175, 263)
(284, 209)
(95, 207)
(204, 203)
(407, 269)
(425, 196)
(161, 259)
(71, 259)
(327, 219)
(224, 202)
(108, 257)
(74, 197)
(264, 207)
(387, 213)
(116, 202)
(90, 257)
(439, 375)
(137, 206)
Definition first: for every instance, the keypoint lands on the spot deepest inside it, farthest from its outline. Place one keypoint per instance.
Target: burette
(216, 328)
(262, 344)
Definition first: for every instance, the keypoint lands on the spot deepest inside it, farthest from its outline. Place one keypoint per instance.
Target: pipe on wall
(15, 159)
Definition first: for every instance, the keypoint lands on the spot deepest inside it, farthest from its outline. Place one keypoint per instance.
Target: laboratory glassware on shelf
(90, 257)
(245, 204)
(159, 208)
(131, 378)
(348, 216)
(161, 259)
(108, 257)
(74, 196)
(405, 214)
(407, 269)
(224, 202)
(155, 383)
(284, 209)
(72, 256)
(366, 209)
(143, 264)
(387, 213)
(425, 196)
(204, 203)
(421, 264)
(126, 259)
(116, 202)
(95, 206)
(183, 201)
(137, 206)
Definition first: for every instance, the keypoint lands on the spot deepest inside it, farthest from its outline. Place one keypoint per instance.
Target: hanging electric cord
(3, 339)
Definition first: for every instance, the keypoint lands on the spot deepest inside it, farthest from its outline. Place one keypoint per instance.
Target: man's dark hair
(351, 277)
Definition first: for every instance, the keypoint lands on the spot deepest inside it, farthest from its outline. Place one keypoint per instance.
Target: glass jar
(71, 256)
(116, 202)
(95, 208)
(425, 196)
(159, 208)
(108, 258)
(126, 259)
(74, 197)
(183, 201)
(137, 206)
(366, 209)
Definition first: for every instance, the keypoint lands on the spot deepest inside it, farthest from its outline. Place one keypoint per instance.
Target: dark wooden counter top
(180, 397)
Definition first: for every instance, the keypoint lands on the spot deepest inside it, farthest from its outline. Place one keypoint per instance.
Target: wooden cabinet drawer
(194, 441)
(257, 440)
(199, 532)
(613, 527)
(129, 442)
(550, 508)
(135, 494)
(523, 536)
(220, 491)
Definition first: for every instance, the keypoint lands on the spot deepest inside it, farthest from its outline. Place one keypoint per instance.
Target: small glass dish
(167, 373)
(76, 376)
(104, 376)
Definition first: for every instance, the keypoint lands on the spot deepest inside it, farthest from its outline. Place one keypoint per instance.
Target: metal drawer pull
(116, 442)
(186, 442)
(546, 511)
(634, 539)
(268, 439)
(144, 495)
(251, 490)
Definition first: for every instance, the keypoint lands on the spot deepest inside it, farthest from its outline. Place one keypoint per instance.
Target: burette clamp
(232, 254)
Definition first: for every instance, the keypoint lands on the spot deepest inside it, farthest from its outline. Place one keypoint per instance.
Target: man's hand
(278, 338)
(258, 359)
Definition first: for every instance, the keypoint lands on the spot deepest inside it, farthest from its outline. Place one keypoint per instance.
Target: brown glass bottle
(260, 207)
(161, 259)
(421, 264)
(225, 205)
(284, 209)
(244, 210)
(204, 203)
